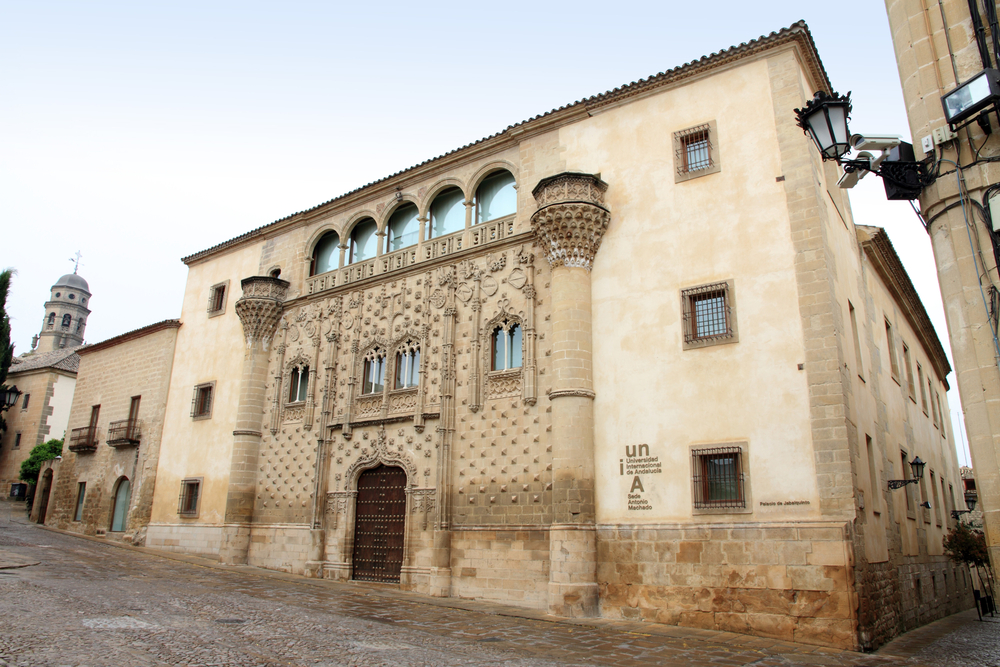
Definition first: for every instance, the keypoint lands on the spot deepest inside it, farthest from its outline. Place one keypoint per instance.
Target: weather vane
(76, 261)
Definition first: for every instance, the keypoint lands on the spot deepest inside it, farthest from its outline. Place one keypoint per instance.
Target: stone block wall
(281, 548)
(204, 540)
(510, 566)
(789, 582)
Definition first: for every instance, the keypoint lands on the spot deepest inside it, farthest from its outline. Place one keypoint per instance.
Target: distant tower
(65, 314)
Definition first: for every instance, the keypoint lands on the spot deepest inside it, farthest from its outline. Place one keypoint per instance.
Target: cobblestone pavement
(66, 600)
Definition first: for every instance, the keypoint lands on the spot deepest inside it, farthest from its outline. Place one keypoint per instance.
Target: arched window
(447, 213)
(374, 372)
(66, 321)
(404, 228)
(298, 384)
(326, 256)
(79, 325)
(496, 197)
(364, 241)
(506, 346)
(52, 319)
(408, 365)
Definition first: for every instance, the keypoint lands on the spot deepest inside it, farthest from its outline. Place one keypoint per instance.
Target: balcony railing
(83, 439)
(124, 432)
(483, 234)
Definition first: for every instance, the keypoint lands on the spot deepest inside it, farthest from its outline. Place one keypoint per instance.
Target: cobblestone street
(67, 600)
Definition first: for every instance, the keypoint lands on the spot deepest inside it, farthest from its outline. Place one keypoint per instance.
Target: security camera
(875, 143)
(851, 178)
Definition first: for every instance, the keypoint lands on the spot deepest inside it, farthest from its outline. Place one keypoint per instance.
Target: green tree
(965, 545)
(6, 347)
(40, 454)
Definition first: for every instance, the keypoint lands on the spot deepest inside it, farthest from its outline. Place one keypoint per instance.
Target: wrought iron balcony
(83, 439)
(125, 432)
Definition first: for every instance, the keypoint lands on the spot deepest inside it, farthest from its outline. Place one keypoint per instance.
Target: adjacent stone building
(46, 377)
(104, 483)
(630, 358)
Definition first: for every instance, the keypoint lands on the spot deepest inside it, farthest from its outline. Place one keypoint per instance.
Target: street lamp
(824, 118)
(970, 502)
(8, 397)
(917, 466)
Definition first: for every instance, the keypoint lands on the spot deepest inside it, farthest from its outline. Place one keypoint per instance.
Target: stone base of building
(184, 538)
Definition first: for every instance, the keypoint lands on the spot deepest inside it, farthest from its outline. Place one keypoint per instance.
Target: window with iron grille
(187, 504)
(695, 152)
(718, 479)
(217, 298)
(201, 403)
(709, 315)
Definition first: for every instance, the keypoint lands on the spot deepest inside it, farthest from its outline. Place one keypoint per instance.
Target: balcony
(124, 433)
(83, 439)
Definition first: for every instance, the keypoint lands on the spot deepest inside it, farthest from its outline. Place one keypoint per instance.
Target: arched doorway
(42, 496)
(379, 525)
(119, 513)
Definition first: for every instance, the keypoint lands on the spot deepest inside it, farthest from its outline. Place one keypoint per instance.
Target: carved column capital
(259, 309)
(571, 218)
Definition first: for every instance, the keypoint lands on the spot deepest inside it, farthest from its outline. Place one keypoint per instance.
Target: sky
(139, 133)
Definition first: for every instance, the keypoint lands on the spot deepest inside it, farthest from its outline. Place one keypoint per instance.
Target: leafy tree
(965, 545)
(6, 347)
(41, 453)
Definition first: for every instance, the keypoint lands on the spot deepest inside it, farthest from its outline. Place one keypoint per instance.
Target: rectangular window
(909, 373)
(873, 476)
(695, 152)
(857, 341)
(298, 384)
(187, 504)
(133, 409)
(201, 403)
(17, 441)
(937, 399)
(24, 405)
(906, 489)
(923, 391)
(922, 484)
(81, 491)
(718, 479)
(936, 503)
(893, 362)
(217, 295)
(709, 315)
(374, 375)
(930, 395)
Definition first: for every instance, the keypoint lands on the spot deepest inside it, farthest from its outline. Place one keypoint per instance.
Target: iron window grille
(718, 478)
(707, 313)
(694, 150)
(187, 503)
(201, 403)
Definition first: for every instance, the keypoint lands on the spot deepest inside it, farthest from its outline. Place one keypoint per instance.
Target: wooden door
(379, 525)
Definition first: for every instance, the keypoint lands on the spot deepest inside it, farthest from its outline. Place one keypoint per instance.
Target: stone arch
(382, 452)
(348, 227)
(382, 221)
(436, 189)
(488, 170)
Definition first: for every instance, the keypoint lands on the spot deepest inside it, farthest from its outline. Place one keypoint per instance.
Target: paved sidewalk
(88, 602)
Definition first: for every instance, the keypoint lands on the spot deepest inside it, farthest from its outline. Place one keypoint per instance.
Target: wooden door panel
(380, 524)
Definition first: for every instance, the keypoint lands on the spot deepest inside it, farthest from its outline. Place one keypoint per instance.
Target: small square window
(187, 504)
(709, 315)
(217, 297)
(695, 152)
(201, 403)
(719, 482)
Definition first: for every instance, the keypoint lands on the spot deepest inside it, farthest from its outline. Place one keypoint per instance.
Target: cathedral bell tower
(66, 314)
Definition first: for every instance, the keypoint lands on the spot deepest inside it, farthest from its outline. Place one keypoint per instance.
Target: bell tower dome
(66, 314)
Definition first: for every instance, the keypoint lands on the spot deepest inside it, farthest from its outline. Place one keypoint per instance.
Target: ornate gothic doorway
(379, 525)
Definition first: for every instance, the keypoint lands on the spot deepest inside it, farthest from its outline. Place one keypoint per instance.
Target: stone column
(259, 311)
(569, 224)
